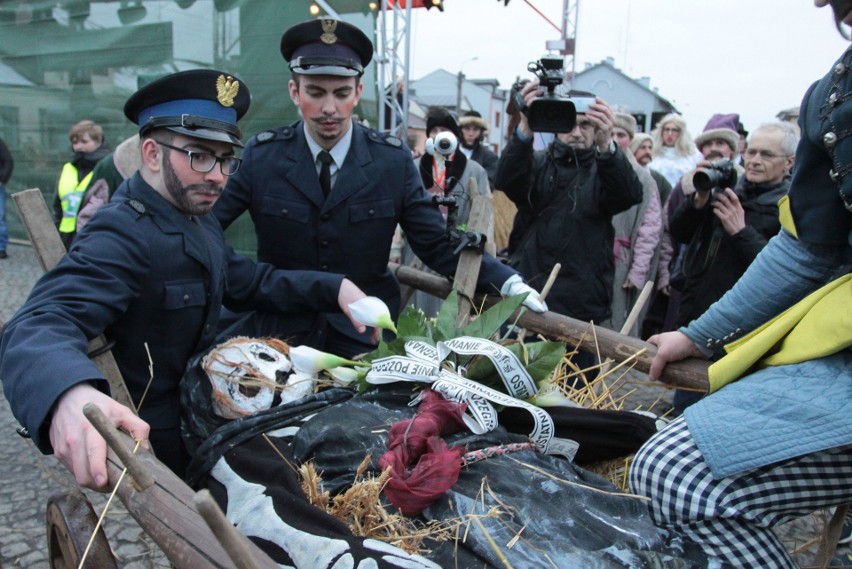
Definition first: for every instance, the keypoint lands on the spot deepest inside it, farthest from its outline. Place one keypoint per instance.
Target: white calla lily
(344, 375)
(371, 311)
(311, 361)
(551, 398)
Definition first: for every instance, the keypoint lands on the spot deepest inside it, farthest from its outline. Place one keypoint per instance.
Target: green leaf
(543, 359)
(489, 322)
(445, 322)
(412, 322)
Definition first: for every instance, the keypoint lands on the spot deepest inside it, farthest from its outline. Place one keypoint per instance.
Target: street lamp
(460, 82)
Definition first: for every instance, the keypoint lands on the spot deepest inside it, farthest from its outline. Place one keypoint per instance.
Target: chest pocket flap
(289, 209)
(370, 210)
(183, 294)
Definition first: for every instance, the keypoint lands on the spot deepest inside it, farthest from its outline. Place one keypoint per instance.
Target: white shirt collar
(338, 152)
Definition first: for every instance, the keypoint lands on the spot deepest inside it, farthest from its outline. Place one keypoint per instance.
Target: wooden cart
(189, 527)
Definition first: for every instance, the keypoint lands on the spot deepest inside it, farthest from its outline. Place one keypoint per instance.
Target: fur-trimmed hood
(473, 121)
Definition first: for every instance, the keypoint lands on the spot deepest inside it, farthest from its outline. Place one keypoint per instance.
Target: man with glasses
(724, 229)
(150, 271)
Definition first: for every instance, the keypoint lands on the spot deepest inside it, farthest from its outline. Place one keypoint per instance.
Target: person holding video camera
(566, 196)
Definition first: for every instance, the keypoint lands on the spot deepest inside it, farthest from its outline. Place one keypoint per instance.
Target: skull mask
(250, 375)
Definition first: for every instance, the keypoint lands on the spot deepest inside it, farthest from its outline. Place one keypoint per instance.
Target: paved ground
(29, 478)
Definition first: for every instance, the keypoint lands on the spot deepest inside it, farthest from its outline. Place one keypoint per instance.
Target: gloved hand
(515, 285)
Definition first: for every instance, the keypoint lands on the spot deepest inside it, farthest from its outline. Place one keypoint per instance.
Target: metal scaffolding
(393, 41)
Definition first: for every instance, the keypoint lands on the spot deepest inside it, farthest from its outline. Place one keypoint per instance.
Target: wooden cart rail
(689, 374)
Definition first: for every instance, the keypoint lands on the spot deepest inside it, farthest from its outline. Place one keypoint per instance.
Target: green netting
(68, 60)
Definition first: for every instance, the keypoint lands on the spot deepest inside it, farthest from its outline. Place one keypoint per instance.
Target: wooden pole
(689, 374)
(467, 271)
(233, 541)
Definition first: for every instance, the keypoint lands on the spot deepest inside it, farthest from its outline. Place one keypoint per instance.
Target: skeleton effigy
(435, 456)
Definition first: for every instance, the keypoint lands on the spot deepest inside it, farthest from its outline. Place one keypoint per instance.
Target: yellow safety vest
(817, 326)
(71, 196)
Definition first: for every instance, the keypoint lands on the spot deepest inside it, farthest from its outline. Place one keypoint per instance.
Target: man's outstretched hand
(75, 441)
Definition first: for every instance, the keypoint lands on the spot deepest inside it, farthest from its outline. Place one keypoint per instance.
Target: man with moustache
(327, 193)
(150, 272)
(642, 147)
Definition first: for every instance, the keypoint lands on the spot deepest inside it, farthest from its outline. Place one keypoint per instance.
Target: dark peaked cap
(202, 103)
(326, 47)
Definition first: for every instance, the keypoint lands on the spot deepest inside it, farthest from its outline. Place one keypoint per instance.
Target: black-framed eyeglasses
(204, 162)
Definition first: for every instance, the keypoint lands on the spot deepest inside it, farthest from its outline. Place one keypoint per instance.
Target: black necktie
(325, 172)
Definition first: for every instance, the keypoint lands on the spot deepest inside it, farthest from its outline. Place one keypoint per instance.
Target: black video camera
(717, 176)
(550, 112)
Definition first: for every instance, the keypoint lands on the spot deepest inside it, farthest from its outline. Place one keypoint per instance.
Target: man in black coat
(372, 186)
(150, 271)
(566, 197)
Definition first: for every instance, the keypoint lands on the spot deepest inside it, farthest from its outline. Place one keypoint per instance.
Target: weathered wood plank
(481, 220)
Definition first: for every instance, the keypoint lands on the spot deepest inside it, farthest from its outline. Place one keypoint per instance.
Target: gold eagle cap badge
(226, 90)
(329, 26)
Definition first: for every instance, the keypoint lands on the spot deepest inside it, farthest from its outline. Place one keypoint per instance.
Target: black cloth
(568, 521)
(603, 435)
(714, 260)
(566, 199)
(823, 159)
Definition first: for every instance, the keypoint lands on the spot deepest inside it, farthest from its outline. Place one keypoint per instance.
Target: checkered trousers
(730, 518)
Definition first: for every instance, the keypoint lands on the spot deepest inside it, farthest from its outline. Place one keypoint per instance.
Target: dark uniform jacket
(714, 260)
(822, 178)
(566, 199)
(377, 188)
(140, 272)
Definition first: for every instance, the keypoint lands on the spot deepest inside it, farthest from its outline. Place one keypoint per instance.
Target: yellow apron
(817, 326)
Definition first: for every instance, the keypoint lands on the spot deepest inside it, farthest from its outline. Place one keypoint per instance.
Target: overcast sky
(754, 57)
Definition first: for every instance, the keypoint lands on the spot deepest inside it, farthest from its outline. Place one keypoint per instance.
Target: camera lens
(705, 180)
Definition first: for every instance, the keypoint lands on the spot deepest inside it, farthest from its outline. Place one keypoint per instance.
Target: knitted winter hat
(638, 139)
(625, 121)
(473, 118)
(721, 127)
(439, 116)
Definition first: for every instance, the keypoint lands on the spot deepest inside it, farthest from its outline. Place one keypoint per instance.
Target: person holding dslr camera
(728, 220)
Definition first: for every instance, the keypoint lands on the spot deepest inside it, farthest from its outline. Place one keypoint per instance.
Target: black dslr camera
(717, 176)
(550, 112)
